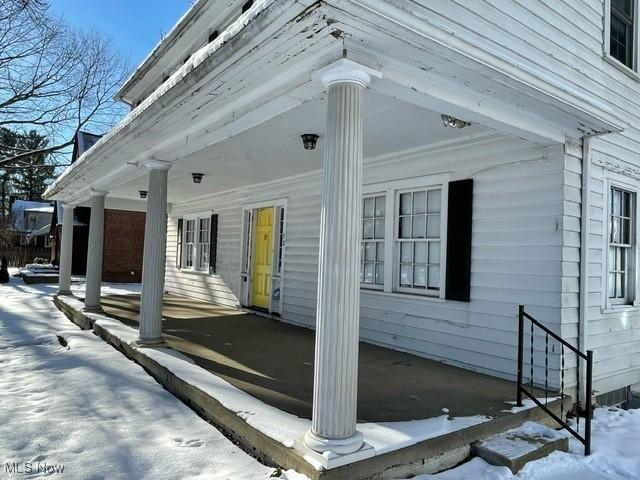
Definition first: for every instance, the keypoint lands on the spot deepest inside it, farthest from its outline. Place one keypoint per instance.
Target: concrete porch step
(514, 448)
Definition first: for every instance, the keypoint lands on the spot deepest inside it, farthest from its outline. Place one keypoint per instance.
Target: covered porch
(273, 361)
(395, 111)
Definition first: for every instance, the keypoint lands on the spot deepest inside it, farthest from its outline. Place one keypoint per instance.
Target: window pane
(379, 228)
(419, 202)
(380, 251)
(619, 285)
(626, 204)
(405, 204)
(624, 231)
(624, 6)
(612, 285)
(434, 253)
(406, 253)
(421, 252)
(433, 201)
(434, 277)
(420, 276)
(367, 228)
(419, 226)
(615, 205)
(405, 227)
(369, 270)
(370, 252)
(406, 276)
(380, 206)
(433, 226)
(379, 274)
(615, 230)
(368, 207)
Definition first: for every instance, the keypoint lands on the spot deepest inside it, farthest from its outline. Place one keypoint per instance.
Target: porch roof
(261, 68)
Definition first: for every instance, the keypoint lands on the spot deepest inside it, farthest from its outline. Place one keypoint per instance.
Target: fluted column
(66, 250)
(338, 304)
(154, 256)
(94, 252)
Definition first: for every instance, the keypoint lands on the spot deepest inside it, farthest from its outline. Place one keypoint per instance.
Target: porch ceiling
(273, 150)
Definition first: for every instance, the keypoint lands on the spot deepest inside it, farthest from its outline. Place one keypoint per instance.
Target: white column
(94, 252)
(66, 250)
(338, 306)
(154, 256)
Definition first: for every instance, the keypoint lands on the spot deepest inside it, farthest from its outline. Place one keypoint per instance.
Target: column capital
(152, 164)
(98, 193)
(346, 71)
(67, 205)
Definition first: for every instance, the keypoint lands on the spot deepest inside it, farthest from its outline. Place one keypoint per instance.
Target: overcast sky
(134, 25)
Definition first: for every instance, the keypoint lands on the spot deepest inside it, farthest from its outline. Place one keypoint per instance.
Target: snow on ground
(88, 409)
(615, 456)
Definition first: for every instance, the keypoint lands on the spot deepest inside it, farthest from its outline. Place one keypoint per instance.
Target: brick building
(123, 233)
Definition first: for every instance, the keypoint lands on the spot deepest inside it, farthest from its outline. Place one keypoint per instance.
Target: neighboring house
(124, 233)
(29, 222)
(501, 168)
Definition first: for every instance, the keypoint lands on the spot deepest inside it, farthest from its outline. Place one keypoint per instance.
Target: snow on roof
(48, 209)
(195, 60)
(20, 207)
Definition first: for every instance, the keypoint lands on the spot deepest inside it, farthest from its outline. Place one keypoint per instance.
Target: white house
(29, 222)
(403, 172)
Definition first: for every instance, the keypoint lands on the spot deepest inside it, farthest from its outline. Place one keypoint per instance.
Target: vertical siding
(517, 254)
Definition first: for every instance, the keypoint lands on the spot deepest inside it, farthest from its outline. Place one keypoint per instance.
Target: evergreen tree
(35, 171)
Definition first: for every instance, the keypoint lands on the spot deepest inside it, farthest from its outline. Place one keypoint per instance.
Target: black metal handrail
(587, 357)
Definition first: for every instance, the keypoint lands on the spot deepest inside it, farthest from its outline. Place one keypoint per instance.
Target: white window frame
(610, 305)
(363, 241)
(197, 245)
(606, 44)
(392, 268)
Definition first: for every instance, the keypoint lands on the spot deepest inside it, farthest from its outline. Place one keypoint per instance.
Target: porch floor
(273, 361)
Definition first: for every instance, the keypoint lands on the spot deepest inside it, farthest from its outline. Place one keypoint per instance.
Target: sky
(135, 26)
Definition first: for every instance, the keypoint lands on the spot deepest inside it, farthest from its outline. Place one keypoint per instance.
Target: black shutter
(459, 240)
(179, 243)
(213, 243)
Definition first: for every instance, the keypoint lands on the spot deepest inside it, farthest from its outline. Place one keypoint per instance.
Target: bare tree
(54, 79)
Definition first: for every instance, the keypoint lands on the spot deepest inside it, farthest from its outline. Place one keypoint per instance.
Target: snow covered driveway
(87, 409)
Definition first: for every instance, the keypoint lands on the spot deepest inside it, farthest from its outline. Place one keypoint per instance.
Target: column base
(97, 309)
(339, 446)
(330, 459)
(150, 343)
(65, 293)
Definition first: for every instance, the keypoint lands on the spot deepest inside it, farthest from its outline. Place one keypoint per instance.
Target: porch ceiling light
(143, 194)
(453, 122)
(197, 177)
(309, 140)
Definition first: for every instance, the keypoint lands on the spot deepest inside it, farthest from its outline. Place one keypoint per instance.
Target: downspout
(583, 324)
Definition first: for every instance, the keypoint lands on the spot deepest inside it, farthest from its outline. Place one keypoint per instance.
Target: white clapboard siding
(517, 254)
(563, 41)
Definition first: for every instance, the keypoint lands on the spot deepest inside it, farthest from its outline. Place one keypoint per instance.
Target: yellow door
(262, 255)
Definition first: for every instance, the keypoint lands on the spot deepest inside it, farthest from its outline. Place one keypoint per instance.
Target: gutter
(585, 230)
